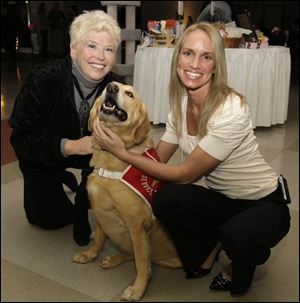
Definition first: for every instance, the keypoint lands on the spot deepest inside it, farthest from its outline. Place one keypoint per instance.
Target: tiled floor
(36, 264)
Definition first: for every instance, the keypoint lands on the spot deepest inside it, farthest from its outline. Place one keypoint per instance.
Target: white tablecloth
(261, 75)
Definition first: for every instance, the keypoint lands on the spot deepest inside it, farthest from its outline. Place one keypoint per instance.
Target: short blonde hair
(96, 20)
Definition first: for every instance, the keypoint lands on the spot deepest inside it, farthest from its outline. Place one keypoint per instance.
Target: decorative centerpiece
(160, 33)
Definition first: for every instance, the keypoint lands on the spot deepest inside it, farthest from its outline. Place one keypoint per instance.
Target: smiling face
(120, 108)
(95, 55)
(196, 61)
(120, 104)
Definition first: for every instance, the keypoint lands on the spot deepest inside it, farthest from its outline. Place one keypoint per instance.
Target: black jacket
(44, 113)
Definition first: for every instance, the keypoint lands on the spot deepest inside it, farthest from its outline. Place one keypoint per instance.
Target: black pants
(197, 218)
(46, 203)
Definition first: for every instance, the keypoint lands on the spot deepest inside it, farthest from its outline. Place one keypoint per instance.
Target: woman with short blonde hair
(49, 124)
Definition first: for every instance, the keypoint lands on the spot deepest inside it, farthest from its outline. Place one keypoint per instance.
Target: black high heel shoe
(197, 273)
(241, 282)
(200, 272)
(220, 283)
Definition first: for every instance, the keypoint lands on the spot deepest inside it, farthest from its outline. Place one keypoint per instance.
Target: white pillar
(130, 24)
(130, 34)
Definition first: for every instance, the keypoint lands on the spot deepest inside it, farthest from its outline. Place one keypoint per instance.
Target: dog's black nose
(112, 88)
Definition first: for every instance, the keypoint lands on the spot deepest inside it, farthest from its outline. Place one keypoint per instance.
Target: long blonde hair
(218, 91)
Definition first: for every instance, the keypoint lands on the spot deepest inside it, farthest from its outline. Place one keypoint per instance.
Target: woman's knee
(251, 234)
(244, 248)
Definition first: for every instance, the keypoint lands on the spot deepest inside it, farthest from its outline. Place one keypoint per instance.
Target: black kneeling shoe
(197, 273)
(82, 230)
(242, 280)
(200, 272)
(220, 283)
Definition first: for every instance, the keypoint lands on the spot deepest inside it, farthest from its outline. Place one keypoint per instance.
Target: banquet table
(261, 75)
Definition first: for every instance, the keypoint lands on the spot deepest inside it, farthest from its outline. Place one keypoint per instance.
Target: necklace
(84, 107)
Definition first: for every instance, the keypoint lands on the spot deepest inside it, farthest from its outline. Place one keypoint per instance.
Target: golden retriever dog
(121, 214)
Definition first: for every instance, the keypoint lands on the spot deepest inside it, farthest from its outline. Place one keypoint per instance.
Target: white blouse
(243, 172)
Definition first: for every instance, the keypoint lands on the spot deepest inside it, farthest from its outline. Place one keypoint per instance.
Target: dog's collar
(102, 172)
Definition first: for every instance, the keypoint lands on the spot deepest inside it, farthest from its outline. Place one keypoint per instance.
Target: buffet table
(261, 75)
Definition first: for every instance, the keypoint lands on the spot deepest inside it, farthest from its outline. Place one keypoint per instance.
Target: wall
(161, 10)
(273, 12)
(281, 13)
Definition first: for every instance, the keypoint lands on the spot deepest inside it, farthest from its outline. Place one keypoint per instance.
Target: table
(261, 75)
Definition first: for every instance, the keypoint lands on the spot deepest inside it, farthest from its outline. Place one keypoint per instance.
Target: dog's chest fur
(112, 201)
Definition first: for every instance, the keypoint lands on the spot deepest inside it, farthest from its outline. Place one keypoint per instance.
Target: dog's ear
(94, 113)
(143, 127)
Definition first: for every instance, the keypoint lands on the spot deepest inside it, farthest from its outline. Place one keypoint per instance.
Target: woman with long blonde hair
(243, 208)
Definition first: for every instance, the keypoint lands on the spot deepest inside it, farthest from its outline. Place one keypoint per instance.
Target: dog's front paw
(83, 257)
(131, 294)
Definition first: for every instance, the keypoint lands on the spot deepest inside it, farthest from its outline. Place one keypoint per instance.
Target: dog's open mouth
(110, 107)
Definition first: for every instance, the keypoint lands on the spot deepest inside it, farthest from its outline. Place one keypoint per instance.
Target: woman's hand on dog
(108, 140)
(82, 146)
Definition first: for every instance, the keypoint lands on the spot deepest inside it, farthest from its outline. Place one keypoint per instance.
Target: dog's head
(120, 107)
